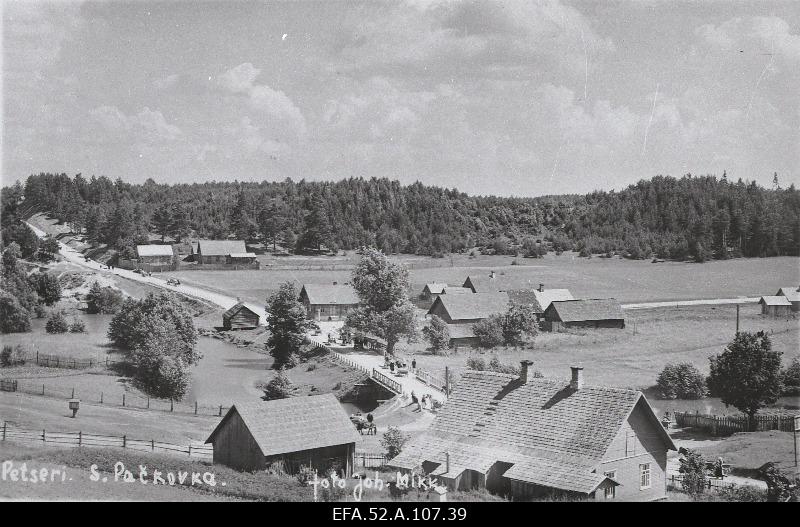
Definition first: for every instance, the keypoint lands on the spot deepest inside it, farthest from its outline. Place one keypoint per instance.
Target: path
(223, 301)
(683, 303)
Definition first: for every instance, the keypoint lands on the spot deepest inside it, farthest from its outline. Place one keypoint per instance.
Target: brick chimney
(577, 378)
(541, 287)
(526, 371)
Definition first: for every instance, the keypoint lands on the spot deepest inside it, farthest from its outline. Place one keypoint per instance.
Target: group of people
(397, 363)
(425, 403)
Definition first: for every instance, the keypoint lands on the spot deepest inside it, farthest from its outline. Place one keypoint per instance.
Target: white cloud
(240, 79)
(765, 33)
(146, 125)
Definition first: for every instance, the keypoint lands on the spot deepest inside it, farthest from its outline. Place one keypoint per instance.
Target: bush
(437, 334)
(77, 326)
(280, 387)
(47, 287)
(790, 377)
(393, 441)
(741, 494)
(693, 468)
(12, 356)
(57, 323)
(489, 331)
(476, 363)
(104, 300)
(14, 318)
(681, 381)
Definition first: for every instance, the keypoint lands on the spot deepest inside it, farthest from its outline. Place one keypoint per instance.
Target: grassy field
(627, 280)
(633, 357)
(746, 452)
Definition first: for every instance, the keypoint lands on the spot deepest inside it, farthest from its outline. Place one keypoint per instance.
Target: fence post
(220, 410)
(42, 388)
(123, 399)
(73, 393)
(190, 450)
(153, 445)
(124, 441)
(171, 405)
(80, 437)
(4, 430)
(44, 436)
(148, 402)
(101, 397)
(195, 408)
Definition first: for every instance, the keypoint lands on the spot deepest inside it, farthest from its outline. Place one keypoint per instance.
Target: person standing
(414, 365)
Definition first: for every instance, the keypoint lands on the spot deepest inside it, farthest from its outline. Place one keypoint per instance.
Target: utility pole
(737, 319)
(796, 441)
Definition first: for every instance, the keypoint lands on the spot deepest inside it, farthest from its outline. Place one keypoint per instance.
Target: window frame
(645, 469)
(610, 493)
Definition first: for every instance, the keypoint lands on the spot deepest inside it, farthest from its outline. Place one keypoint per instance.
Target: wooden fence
(387, 381)
(370, 460)
(80, 439)
(675, 481)
(434, 381)
(123, 399)
(726, 425)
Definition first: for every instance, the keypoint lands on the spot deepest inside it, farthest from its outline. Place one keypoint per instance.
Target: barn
(310, 431)
(484, 284)
(155, 254)
(328, 301)
(792, 294)
(240, 317)
(461, 311)
(218, 251)
(775, 306)
(589, 313)
(535, 438)
(432, 290)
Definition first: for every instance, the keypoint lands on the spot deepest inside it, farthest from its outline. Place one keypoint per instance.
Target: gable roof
(551, 434)
(330, 294)
(457, 290)
(294, 424)
(792, 293)
(435, 288)
(473, 306)
(589, 309)
(484, 284)
(154, 250)
(235, 309)
(775, 301)
(540, 300)
(220, 247)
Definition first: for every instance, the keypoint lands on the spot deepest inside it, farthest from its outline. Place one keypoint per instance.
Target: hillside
(691, 217)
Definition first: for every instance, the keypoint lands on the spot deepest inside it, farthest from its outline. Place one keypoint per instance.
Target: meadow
(627, 280)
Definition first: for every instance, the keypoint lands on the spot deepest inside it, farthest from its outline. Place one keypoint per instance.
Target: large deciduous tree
(287, 325)
(747, 375)
(385, 310)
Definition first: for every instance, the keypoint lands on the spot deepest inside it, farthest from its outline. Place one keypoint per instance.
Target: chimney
(526, 371)
(577, 378)
(447, 462)
(541, 287)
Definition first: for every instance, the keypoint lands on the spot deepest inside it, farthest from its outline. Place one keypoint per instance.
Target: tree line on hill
(690, 217)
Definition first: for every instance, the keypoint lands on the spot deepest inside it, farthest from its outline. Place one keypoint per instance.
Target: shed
(776, 306)
(468, 309)
(593, 313)
(310, 431)
(328, 301)
(218, 251)
(793, 295)
(432, 290)
(240, 317)
(155, 254)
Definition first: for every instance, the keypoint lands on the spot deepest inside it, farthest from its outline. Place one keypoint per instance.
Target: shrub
(280, 387)
(305, 475)
(393, 441)
(790, 377)
(499, 367)
(57, 323)
(437, 334)
(489, 331)
(681, 381)
(693, 468)
(476, 363)
(77, 326)
(47, 287)
(14, 318)
(741, 494)
(104, 300)
(12, 356)
(520, 325)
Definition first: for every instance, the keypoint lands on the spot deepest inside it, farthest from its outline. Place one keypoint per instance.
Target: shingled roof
(325, 294)
(792, 293)
(589, 309)
(484, 284)
(550, 434)
(435, 288)
(775, 301)
(472, 306)
(540, 300)
(154, 250)
(294, 424)
(220, 247)
(235, 309)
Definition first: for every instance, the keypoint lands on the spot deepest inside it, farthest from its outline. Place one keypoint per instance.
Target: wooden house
(461, 311)
(310, 431)
(589, 313)
(541, 298)
(240, 317)
(534, 438)
(432, 290)
(159, 255)
(328, 301)
(219, 251)
(775, 306)
(485, 284)
(793, 295)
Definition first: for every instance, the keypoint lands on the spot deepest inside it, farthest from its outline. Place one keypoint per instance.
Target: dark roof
(321, 294)
(553, 435)
(472, 306)
(590, 309)
(235, 309)
(294, 424)
(220, 247)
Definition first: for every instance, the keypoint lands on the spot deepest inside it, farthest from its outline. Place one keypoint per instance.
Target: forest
(692, 217)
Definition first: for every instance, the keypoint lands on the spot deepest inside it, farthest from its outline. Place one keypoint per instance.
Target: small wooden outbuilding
(155, 254)
(591, 313)
(310, 431)
(240, 317)
(792, 294)
(328, 301)
(775, 306)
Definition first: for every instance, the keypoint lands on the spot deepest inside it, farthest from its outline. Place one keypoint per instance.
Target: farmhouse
(328, 301)
(240, 317)
(310, 431)
(155, 254)
(229, 252)
(432, 290)
(484, 284)
(460, 311)
(776, 306)
(534, 438)
(591, 313)
(793, 295)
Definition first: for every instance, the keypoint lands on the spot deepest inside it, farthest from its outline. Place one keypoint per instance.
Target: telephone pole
(737, 319)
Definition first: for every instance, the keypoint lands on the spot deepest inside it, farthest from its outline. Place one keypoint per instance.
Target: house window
(644, 476)
(610, 491)
(630, 443)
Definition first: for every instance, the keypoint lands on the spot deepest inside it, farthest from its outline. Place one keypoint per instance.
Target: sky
(508, 98)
